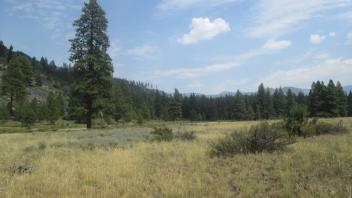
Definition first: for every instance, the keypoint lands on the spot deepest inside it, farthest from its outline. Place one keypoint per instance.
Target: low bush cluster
(321, 128)
(164, 134)
(263, 137)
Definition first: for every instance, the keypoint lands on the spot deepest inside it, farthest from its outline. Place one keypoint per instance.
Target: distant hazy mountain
(295, 90)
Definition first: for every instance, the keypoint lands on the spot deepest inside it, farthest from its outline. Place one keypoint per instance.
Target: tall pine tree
(239, 107)
(279, 102)
(349, 104)
(15, 79)
(341, 100)
(92, 65)
(291, 102)
(331, 106)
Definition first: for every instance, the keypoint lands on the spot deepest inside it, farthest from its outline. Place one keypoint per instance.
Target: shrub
(162, 134)
(187, 135)
(296, 120)
(327, 128)
(26, 115)
(260, 138)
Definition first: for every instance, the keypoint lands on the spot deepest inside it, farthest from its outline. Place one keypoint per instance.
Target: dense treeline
(132, 100)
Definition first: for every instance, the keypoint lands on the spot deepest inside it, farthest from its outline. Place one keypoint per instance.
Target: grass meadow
(122, 162)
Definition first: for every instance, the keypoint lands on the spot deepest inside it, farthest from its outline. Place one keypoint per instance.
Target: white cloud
(349, 36)
(277, 45)
(316, 38)
(332, 34)
(142, 51)
(185, 4)
(204, 29)
(331, 68)
(274, 18)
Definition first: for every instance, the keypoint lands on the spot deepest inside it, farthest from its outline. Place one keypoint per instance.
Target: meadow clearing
(123, 162)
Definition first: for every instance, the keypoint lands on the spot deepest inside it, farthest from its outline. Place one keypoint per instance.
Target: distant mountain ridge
(295, 90)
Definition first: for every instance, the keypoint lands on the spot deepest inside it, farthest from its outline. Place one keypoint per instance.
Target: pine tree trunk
(11, 105)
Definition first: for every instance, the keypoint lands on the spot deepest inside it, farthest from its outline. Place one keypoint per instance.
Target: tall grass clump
(260, 138)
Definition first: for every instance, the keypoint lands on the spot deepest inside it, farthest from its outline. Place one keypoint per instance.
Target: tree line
(131, 100)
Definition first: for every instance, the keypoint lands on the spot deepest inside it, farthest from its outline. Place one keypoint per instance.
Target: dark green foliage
(4, 113)
(15, 79)
(279, 103)
(3, 53)
(174, 110)
(26, 114)
(341, 100)
(239, 107)
(331, 106)
(55, 107)
(187, 135)
(296, 120)
(9, 54)
(349, 104)
(162, 134)
(265, 107)
(260, 138)
(327, 101)
(93, 68)
(301, 99)
(175, 106)
(291, 102)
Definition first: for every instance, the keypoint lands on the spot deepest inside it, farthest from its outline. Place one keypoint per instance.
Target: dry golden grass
(312, 167)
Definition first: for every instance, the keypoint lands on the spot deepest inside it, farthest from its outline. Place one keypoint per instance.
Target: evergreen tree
(331, 102)
(53, 106)
(175, 108)
(290, 98)
(349, 104)
(15, 80)
(279, 102)
(260, 110)
(250, 115)
(268, 108)
(301, 98)
(9, 54)
(3, 52)
(316, 99)
(341, 100)
(93, 68)
(239, 107)
(26, 114)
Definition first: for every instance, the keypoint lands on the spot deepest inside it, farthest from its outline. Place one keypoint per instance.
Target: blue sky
(203, 46)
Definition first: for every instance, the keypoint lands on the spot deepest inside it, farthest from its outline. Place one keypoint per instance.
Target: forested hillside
(140, 101)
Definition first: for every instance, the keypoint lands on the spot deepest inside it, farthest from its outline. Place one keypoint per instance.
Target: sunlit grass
(312, 167)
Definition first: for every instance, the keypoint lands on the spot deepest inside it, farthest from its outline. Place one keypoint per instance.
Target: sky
(201, 46)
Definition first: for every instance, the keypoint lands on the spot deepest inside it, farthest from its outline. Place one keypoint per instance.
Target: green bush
(260, 138)
(315, 127)
(296, 120)
(187, 135)
(327, 128)
(25, 114)
(162, 134)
